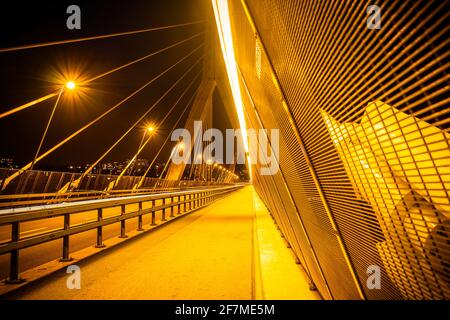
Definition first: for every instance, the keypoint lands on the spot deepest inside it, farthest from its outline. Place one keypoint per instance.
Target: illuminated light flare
(222, 18)
(70, 85)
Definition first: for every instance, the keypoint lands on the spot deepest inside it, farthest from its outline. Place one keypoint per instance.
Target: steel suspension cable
(46, 128)
(105, 36)
(167, 138)
(142, 58)
(56, 93)
(145, 143)
(70, 137)
(87, 171)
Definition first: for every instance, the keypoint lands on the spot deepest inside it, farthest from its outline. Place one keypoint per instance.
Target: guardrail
(184, 201)
(38, 181)
(33, 199)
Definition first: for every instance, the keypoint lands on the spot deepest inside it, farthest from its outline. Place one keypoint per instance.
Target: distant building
(7, 163)
(138, 167)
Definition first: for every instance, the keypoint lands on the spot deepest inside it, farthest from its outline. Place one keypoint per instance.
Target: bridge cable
(176, 122)
(27, 166)
(138, 185)
(56, 93)
(75, 184)
(46, 44)
(46, 128)
(116, 181)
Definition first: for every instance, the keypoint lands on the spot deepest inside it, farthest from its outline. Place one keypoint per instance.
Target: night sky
(29, 74)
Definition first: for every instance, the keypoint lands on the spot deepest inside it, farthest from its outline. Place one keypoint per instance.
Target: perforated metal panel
(364, 138)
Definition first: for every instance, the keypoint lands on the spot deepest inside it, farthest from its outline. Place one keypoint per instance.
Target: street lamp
(150, 129)
(70, 85)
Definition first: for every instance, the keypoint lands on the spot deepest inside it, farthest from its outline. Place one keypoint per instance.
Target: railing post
(153, 213)
(164, 210)
(100, 229)
(184, 204)
(14, 262)
(139, 228)
(190, 201)
(122, 223)
(179, 205)
(65, 253)
(171, 207)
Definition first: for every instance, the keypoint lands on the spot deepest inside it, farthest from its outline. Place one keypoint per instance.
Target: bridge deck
(213, 253)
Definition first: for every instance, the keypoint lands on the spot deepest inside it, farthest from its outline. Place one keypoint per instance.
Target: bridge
(333, 182)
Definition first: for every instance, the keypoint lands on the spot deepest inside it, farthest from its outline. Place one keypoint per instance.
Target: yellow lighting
(395, 162)
(226, 41)
(151, 129)
(70, 85)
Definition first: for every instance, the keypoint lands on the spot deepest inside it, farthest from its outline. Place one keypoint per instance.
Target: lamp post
(149, 130)
(179, 146)
(69, 85)
(114, 183)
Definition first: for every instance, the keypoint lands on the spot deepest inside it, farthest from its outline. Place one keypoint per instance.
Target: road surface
(37, 255)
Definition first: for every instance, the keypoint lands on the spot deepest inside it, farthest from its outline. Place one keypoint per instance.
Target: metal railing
(184, 201)
(37, 181)
(33, 199)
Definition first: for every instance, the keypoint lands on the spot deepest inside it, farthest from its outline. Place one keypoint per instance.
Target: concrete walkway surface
(212, 253)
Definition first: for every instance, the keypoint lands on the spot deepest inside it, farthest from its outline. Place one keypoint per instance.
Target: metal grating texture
(364, 128)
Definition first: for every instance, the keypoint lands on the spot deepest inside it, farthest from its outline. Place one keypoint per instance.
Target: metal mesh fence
(364, 138)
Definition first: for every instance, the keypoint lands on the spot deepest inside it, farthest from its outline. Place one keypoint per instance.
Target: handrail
(87, 192)
(186, 200)
(7, 201)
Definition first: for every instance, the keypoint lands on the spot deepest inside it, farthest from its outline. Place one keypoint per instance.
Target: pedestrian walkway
(218, 252)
